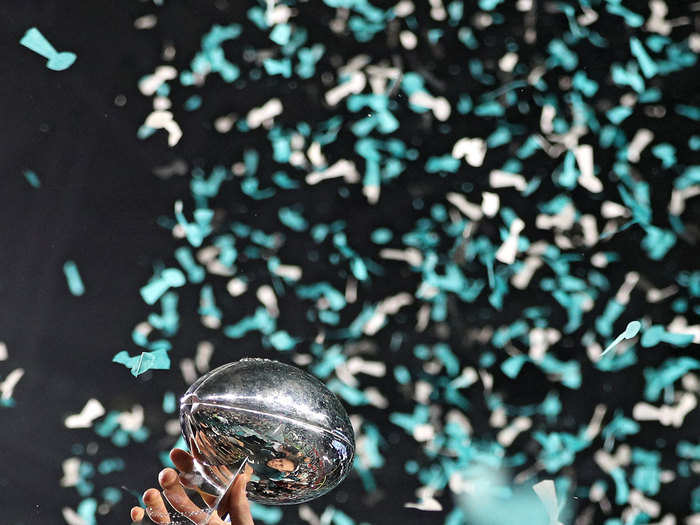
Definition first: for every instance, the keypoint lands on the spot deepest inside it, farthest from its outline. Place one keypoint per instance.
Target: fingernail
(167, 477)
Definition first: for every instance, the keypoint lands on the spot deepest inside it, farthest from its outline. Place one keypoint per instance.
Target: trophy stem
(211, 483)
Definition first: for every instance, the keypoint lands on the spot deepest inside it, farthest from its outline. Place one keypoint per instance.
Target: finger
(176, 496)
(182, 460)
(137, 514)
(238, 505)
(187, 481)
(155, 507)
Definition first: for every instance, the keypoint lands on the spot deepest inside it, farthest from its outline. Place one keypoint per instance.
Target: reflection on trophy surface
(275, 418)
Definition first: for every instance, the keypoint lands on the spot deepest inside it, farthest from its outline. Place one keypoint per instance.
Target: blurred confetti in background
(471, 220)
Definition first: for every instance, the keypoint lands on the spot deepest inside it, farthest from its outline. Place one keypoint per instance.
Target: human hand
(234, 503)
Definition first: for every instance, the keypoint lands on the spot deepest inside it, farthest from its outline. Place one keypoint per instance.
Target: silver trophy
(274, 418)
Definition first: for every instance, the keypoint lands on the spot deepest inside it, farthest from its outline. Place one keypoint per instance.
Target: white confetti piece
(508, 61)
(678, 197)
(507, 252)
(257, 116)
(584, 159)
(7, 387)
(388, 306)
(609, 462)
(506, 436)
(472, 151)
(293, 273)
(680, 325)
(667, 415)
(150, 84)
(355, 84)
(188, 371)
(146, 22)
(547, 118)
(422, 392)
(92, 410)
(593, 428)
(655, 295)
(540, 340)
(408, 39)
(204, 352)
(521, 279)
(547, 493)
(357, 365)
(410, 255)
(236, 287)
(379, 77)
(72, 517)
(426, 500)
(342, 168)
(503, 179)
(375, 398)
(642, 138)
(71, 472)
(490, 203)
(266, 295)
(623, 293)
(164, 120)
(437, 10)
(372, 192)
(612, 210)
(564, 220)
(315, 155)
(646, 505)
(590, 229)
(657, 22)
(3, 351)
(131, 420)
(224, 123)
(404, 8)
(438, 105)
(308, 515)
(468, 209)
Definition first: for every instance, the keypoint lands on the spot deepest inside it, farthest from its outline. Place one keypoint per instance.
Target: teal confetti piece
(282, 341)
(631, 331)
(281, 34)
(657, 334)
(691, 112)
(159, 284)
(32, 178)
(75, 282)
(511, 366)
(169, 403)
(156, 360)
(646, 64)
(56, 61)
(292, 219)
(266, 514)
(110, 465)
(87, 510)
(195, 273)
(668, 373)
(261, 321)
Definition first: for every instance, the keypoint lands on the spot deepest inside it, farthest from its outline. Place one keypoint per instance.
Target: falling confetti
(75, 282)
(56, 61)
(446, 212)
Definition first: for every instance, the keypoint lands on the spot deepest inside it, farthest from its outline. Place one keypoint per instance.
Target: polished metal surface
(285, 423)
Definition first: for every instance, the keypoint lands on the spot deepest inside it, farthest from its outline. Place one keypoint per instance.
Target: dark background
(98, 205)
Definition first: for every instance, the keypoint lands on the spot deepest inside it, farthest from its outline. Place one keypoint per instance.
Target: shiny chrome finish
(294, 432)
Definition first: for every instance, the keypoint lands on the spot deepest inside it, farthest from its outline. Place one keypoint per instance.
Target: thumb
(237, 501)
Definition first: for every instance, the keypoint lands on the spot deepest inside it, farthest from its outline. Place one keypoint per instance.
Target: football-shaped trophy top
(285, 423)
